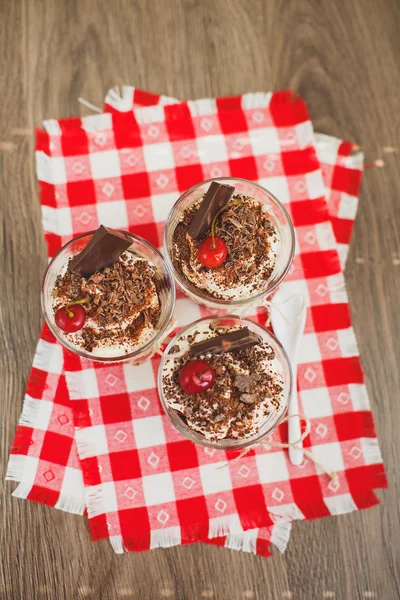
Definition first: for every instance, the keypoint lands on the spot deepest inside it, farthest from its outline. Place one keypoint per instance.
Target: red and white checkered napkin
(144, 485)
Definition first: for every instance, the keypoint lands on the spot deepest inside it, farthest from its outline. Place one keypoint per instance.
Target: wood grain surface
(343, 57)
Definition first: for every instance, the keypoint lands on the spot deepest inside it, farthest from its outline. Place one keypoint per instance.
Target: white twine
(294, 445)
(376, 163)
(89, 105)
(390, 149)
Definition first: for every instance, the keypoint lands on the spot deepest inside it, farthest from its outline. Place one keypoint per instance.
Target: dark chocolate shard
(105, 246)
(216, 197)
(227, 342)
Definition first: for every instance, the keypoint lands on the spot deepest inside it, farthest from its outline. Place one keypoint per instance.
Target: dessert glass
(277, 214)
(273, 420)
(141, 248)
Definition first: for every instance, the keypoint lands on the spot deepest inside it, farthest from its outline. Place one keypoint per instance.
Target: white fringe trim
(327, 143)
(123, 102)
(201, 108)
(348, 342)
(95, 500)
(355, 160)
(93, 123)
(66, 502)
(15, 468)
(337, 288)
(122, 99)
(88, 442)
(43, 167)
(30, 411)
(287, 512)
(52, 126)
(359, 396)
(343, 250)
(371, 451)
(256, 100)
(150, 114)
(117, 544)
(281, 534)
(341, 504)
(327, 149)
(222, 526)
(167, 100)
(164, 538)
(22, 491)
(71, 504)
(90, 123)
(246, 541)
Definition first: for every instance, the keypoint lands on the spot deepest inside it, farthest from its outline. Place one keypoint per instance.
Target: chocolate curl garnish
(235, 202)
(227, 342)
(105, 246)
(215, 199)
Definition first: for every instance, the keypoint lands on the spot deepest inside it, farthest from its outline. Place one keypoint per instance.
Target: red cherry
(69, 323)
(196, 377)
(212, 254)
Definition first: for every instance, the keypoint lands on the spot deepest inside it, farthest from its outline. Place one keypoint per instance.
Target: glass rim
(125, 356)
(185, 285)
(196, 437)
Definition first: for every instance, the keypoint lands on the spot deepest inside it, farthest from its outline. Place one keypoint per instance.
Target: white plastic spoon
(288, 320)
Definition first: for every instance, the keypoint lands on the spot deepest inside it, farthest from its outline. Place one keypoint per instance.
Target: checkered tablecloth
(143, 485)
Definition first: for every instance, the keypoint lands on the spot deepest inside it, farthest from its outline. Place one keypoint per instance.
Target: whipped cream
(202, 420)
(255, 269)
(211, 282)
(117, 340)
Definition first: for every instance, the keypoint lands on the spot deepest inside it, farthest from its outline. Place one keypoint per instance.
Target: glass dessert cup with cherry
(108, 296)
(229, 243)
(225, 382)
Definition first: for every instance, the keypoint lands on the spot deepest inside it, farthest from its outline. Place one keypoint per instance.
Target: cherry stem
(69, 312)
(213, 222)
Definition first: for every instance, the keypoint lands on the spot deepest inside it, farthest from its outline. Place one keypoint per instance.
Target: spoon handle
(294, 430)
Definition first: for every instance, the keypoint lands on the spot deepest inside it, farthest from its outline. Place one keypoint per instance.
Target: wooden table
(343, 57)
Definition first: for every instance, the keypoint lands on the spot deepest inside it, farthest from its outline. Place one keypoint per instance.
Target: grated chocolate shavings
(123, 301)
(227, 410)
(247, 232)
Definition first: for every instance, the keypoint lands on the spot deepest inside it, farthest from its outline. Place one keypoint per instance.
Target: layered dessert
(106, 298)
(223, 383)
(225, 245)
